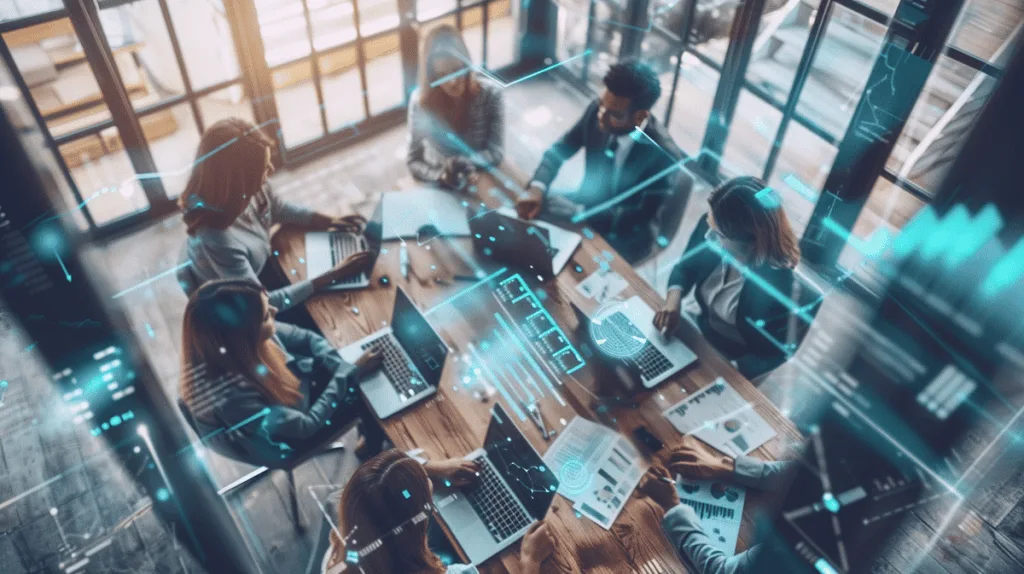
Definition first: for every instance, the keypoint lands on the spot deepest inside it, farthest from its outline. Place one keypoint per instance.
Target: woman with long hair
(456, 118)
(275, 385)
(229, 207)
(739, 258)
(384, 513)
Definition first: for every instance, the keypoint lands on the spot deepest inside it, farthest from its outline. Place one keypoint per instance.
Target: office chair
(324, 441)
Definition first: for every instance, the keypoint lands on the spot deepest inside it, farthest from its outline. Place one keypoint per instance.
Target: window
(204, 36)
(800, 173)
(751, 134)
(988, 28)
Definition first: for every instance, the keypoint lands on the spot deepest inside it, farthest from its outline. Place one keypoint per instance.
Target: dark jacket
(241, 423)
(647, 177)
(760, 354)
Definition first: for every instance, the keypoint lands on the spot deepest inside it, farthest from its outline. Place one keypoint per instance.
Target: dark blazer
(759, 354)
(630, 227)
(228, 402)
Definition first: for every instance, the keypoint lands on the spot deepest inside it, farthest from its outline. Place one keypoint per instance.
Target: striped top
(430, 144)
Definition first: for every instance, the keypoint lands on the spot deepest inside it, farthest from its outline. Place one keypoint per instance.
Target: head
(446, 81)
(232, 164)
(759, 225)
(228, 327)
(631, 89)
(388, 491)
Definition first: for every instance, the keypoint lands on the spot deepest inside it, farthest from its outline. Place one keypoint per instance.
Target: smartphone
(646, 438)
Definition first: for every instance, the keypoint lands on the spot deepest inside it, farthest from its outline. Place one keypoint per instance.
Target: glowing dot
(136, 450)
(163, 495)
(406, 494)
(53, 511)
(261, 370)
(223, 351)
(301, 260)
(830, 502)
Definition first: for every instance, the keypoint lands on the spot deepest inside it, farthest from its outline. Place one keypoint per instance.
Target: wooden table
(453, 423)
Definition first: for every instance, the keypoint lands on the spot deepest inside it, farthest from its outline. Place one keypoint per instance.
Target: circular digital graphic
(573, 478)
(614, 334)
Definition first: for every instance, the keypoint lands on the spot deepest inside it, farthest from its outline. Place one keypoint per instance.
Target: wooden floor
(93, 495)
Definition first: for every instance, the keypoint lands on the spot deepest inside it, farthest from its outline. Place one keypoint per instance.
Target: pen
(666, 479)
(403, 260)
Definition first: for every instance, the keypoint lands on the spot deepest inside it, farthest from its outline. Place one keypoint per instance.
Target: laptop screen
(513, 456)
(512, 242)
(418, 338)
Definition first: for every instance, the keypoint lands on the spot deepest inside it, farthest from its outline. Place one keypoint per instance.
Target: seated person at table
(697, 461)
(456, 118)
(229, 208)
(733, 309)
(237, 362)
(629, 159)
(389, 499)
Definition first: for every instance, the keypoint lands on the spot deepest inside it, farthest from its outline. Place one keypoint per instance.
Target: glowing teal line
(451, 76)
(59, 260)
(529, 357)
(800, 187)
(691, 253)
(154, 278)
(202, 440)
(483, 281)
(501, 388)
(511, 368)
(760, 282)
(549, 68)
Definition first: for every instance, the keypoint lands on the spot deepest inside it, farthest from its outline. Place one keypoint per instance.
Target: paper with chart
(719, 416)
(602, 285)
(719, 506)
(597, 469)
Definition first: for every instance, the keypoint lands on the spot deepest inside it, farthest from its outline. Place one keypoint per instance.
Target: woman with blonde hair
(277, 388)
(456, 118)
(739, 259)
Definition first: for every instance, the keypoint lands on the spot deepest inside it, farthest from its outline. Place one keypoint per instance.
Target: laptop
(326, 249)
(514, 489)
(626, 341)
(413, 359)
(538, 246)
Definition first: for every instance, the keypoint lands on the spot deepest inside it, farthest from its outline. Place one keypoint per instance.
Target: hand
(353, 264)
(352, 223)
(456, 471)
(529, 207)
(538, 544)
(457, 171)
(667, 319)
(654, 487)
(696, 460)
(368, 362)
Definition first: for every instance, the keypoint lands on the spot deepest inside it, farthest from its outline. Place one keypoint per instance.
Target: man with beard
(631, 166)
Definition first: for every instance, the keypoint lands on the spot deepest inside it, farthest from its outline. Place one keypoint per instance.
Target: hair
(228, 171)
(222, 332)
(388, 497)
(636, 81)
(742, 216)
(443, 42)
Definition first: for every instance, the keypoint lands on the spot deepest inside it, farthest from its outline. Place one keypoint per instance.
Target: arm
(759, 474)
(682, 527)
(563, 149)
(684, 274)
(495, 114)
(299, 341)
(287, 213)
(231, 262)
(420, 124)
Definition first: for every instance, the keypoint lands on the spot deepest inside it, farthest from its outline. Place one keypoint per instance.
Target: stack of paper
(719, 416)
(597, 469)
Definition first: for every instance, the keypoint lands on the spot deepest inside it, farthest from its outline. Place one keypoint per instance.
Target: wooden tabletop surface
(453, 423)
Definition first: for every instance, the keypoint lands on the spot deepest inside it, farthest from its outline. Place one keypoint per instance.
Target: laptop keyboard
(495, 505)
(396, 368)
(651, 362)
(342, 246)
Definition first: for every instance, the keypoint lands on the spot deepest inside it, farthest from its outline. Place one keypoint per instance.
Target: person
(630, 160)
(276, 386)
(696, 461)
(456, 117)
(386, 505)
(229, 207)
(739, 284)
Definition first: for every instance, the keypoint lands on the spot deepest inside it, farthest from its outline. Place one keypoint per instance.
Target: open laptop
(514, 489)
(539, 246)
(627, 342)
(413, 356)
(326, 249)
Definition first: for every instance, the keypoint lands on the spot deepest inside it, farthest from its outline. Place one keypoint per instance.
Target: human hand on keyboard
(368, 362)
(454, 471)
(352, 265)
(352, 223)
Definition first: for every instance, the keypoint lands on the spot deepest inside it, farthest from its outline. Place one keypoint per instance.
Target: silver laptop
(326, 249)
(413, 358)
(514, 490)
(624, 335)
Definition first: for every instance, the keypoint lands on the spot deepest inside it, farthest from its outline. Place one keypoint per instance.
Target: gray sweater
(431, 143)
(241, 250)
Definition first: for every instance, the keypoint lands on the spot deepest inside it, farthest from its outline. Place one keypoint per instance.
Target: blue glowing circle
(573, 478)
(163, 495)
(614, 336)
